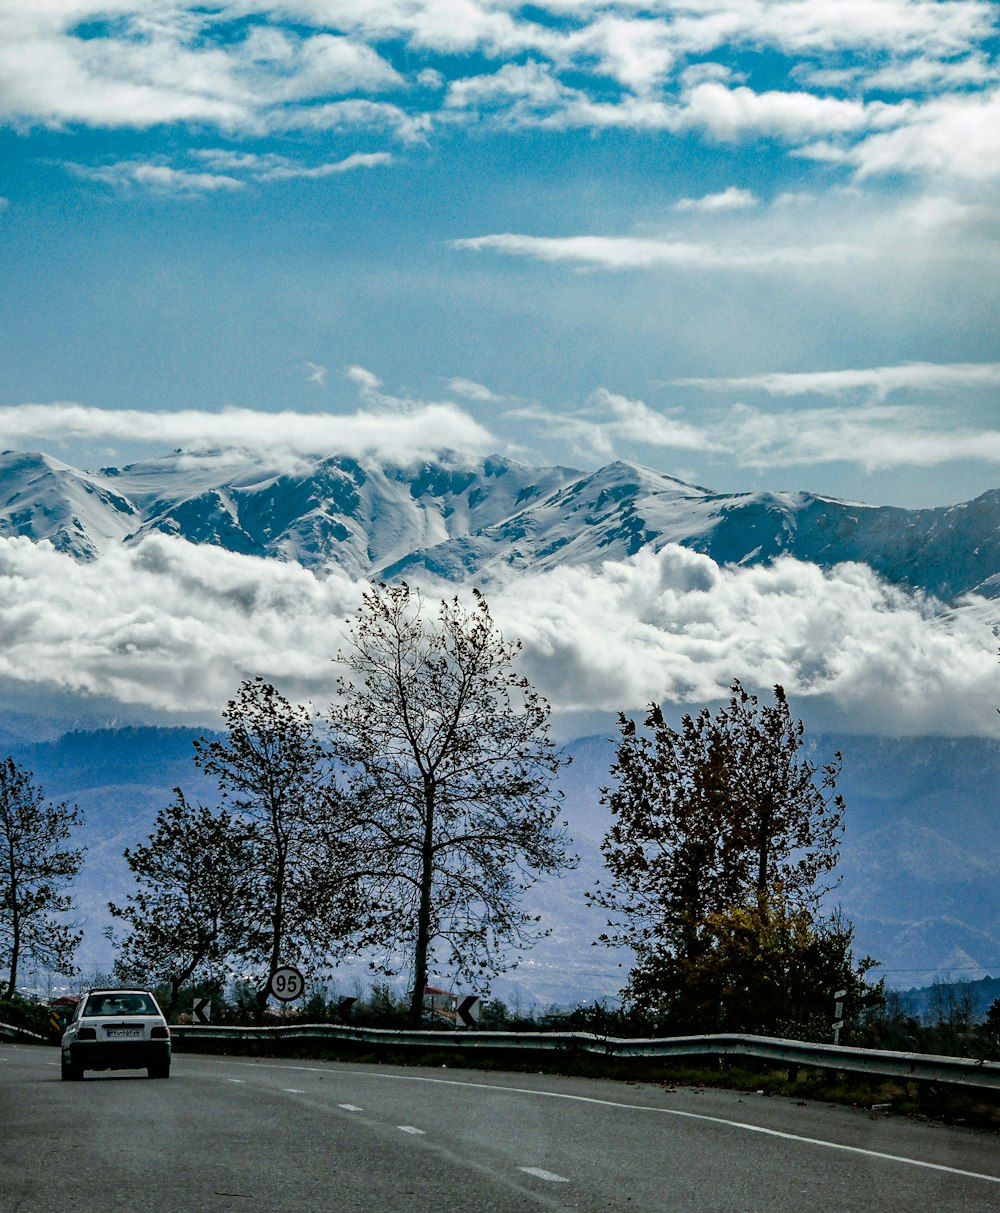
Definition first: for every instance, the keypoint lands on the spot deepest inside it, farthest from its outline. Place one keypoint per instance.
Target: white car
(116, 1030)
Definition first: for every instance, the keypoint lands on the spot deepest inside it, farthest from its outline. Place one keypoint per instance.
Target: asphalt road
(263, 1135)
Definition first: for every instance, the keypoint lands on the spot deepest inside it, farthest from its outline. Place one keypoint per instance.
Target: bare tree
(35, 869)
(450, 764)
(276, 777)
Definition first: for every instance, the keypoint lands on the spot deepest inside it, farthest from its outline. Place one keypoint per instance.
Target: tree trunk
(763, 849)
(277, 930)
(15, 937)
(422, 945)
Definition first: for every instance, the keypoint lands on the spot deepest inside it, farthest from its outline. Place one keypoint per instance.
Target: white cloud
(638, 53)
(608, 65)
(675, 627)
(635, 252)
(167, 626)
(168, 629)
(871, 436)
(957, 135)
(612, 419)
(287, 170)
(732, 113)
(316, 373)
(471, 390)
(397, 430)
(158, 177)
(169, 67)
(874, 437)
(162, 178)
(351, 114)
(879, 380)
(730, 199)
(365, 379)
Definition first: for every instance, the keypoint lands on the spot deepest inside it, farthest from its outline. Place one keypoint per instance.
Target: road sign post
(286, 984)
(468, 1010)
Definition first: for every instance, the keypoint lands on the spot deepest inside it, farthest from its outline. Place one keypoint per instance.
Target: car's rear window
(120, 1004)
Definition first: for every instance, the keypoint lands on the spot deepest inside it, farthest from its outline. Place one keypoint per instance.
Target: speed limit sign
(286, 984)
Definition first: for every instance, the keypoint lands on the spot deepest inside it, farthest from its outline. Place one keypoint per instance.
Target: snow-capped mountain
(459, 520)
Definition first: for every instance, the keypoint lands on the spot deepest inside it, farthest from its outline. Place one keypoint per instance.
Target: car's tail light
(160, 1032)
(87, 1034)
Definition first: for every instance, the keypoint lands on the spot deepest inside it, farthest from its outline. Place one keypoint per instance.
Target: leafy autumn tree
(723, 812)
(762, 968)
(275, 777)
(35, 869)
(450, 763)
(193, 901)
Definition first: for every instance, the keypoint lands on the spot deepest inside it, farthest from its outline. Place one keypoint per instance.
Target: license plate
(125, 1033)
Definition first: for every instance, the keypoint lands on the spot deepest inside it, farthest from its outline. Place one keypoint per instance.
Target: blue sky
(753, 243)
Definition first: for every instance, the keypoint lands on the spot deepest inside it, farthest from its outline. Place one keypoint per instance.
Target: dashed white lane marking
(550, 1176)
(718, 1120)
(293, 1090)
(237, 1082)
(410, 1129)
(350, 1107)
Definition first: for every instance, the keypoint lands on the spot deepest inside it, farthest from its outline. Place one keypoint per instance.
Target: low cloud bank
(166, 630)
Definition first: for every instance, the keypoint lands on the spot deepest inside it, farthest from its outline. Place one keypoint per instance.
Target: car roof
(115, 990)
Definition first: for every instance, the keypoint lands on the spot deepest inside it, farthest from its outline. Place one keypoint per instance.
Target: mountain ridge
(488, 519)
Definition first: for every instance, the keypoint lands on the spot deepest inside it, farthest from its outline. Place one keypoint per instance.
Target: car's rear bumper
(119, 1054)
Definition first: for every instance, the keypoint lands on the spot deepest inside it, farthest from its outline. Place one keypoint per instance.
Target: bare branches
(34, 871)
(448, 749)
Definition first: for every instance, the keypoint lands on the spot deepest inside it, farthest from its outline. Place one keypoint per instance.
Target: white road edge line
(550, 1176)
(633, 1107)
(411, 1129)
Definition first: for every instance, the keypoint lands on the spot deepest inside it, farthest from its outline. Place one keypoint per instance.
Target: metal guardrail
(9, 1029)
(920, 1067)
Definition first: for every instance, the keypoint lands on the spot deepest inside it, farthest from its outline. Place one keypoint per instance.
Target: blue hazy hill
(920, 858)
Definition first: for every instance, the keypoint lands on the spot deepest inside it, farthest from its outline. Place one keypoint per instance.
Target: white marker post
(838, 1014)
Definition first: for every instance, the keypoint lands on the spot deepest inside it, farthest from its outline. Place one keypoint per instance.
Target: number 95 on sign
(286, 984)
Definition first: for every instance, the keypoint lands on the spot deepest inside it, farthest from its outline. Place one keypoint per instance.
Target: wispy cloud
(879, 380)
(272, 167)
(874, 437)
(394, 429)
(468, 389)
(157, 177)
(612, 422)
(232, 171)
(731, 199)
(635, 252)
(868, 433)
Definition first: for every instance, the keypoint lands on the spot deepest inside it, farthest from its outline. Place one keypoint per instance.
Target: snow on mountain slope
(42, 498)
(486, 521)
